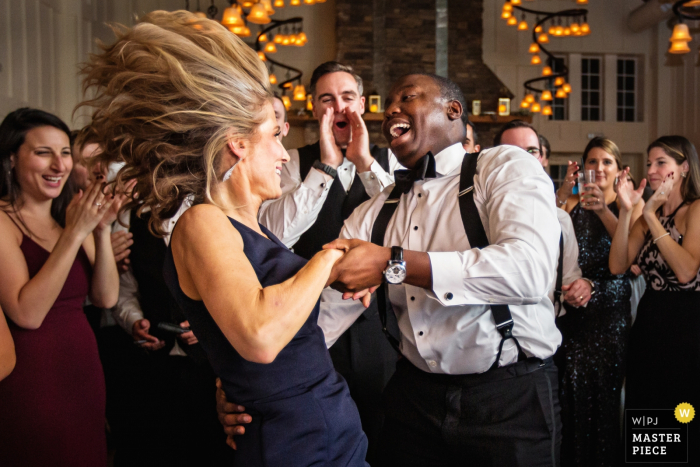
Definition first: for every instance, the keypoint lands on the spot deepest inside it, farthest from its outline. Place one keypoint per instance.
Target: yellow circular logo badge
(684, 412)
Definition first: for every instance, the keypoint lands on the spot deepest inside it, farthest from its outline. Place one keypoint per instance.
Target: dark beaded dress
(592, 355)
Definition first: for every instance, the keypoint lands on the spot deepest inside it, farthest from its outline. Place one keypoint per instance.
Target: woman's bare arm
(212, 267)
(7, 349)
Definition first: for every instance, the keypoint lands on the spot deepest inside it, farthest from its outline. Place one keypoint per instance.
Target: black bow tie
(425, 168)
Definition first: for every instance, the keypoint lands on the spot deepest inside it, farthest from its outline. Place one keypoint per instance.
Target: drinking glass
(587, 176)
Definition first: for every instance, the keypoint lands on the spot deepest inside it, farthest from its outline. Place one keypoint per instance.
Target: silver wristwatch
(395, 273)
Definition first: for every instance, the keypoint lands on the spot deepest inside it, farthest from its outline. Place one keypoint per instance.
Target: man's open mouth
(341, 125)
(399, 129)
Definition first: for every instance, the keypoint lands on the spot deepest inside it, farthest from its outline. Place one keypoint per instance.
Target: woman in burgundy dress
(55, 250)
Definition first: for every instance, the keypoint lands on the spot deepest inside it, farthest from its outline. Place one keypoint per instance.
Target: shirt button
(346, 168)
(323, 185)
(415, 227)
(448, 296)
(420, 195)
(420, 333)
(413, 299)
(432, 363)
(371, 177)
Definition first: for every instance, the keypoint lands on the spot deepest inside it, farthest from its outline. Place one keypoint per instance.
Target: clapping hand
(628, 196)
(118, 197)
(86, 210)
(660, 196)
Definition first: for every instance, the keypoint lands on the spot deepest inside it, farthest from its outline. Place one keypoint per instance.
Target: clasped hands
(358, 272)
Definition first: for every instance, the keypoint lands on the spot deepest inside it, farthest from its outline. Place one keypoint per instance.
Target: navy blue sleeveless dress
(302, 411)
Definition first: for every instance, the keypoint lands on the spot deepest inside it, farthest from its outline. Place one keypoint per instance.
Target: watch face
(395, 273)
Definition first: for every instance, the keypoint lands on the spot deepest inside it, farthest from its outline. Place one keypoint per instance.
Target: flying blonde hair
(169, 94)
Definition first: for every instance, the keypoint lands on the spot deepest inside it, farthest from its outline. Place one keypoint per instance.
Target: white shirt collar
(449, 159)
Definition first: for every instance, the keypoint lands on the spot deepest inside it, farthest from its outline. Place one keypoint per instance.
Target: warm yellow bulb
(299, 93)
(680, 33)
(538, 29)
(552, 29)
(270, 48)
(585, 29)
(546, 95)
(558, 81)
(286, 40)
(502, 109)
(516, 2)
(258, 14)
(536, 60)
(534, 48)
(232, 17)
(575, 28)
(536, 108)
(582, 2)
(561, 94)
(512, 21)
(309, 103)
(522, 26)
(279, 3)
(295, 3)
(547, 110)
(261, 56)
(309, 2)
(524, 104)
(567, 31)
(278, 38)
(507, 6)
(273, 78)
(247, 3)
(301, 37)
(287, 103)
(506, 15)
(547, 71)
(543, 38)
(566, 88)
(263, 38)
(679, 47)
(530, 98)
(559, 30)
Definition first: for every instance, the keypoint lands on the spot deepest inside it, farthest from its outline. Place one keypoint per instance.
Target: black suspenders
(477, 239)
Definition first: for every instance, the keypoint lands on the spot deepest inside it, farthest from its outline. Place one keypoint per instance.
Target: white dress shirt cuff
(318, 182)
(447, 278)
(375, 180)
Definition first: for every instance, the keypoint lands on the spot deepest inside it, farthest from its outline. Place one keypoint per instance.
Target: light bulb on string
(258, 14)
(547, 110)
(295, 3)
(506, 15)
(522, 26)
(512, 21)
(279, 3)
(566, 87)
(287, 103)
(261, 56)
(680, 33)
(575, 28)
(232, 17)
(679, 47)
(561, 94)
(534, 48)
(273, 78)
(543, 38)
(558, 81)
(535, 107)
(508, 7)
(547, 71)
(270, 48)
(535, 60)
(546, 95)
(299, 93)
(524, 104)
(262, 38)
(530, 98)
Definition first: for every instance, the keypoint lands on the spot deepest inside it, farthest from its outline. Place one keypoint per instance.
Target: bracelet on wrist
(660, 237)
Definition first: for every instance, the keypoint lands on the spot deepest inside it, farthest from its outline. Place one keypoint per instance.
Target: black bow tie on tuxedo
(425, 168)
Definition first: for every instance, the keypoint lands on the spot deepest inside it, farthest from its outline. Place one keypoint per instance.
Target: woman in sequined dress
(664, 351)
(592, 355)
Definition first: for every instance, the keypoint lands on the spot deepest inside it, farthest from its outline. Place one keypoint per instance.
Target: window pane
(620, 66)
(629, 115)
(595, 114)
(629, 83)
(584, 65)
(595, 65)
(630, 67)
(629, 99)
(584, 114)
(595, 98)
(584, 82)
(595, 82)
(584, 98)
(620, 115)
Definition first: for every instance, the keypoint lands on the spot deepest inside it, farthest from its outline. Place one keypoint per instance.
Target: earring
(227, 175)
(616, 179)
(684, 174)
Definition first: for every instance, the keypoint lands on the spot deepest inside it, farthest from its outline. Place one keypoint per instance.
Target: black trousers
(504, 417)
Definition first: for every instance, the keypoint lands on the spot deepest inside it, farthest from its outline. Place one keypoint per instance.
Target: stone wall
(406, 43)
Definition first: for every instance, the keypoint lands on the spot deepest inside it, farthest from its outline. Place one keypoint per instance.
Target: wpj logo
(657, 435)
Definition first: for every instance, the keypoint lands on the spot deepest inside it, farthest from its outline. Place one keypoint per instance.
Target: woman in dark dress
(55, 251)
(192, 104)
(664, 351)
(594, 336)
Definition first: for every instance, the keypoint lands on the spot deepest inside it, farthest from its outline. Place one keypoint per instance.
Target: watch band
(324, 168)
(396, 253)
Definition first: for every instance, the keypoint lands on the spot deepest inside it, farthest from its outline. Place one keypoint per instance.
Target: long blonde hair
(169, 94)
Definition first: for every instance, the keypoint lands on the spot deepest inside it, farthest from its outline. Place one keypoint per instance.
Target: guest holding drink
(594, 337)
(664, 350)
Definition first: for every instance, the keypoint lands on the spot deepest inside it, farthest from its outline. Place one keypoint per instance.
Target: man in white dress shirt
(575, 289)
(455, 397)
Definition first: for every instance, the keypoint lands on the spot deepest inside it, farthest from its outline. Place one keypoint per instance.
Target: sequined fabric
(591, 358)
